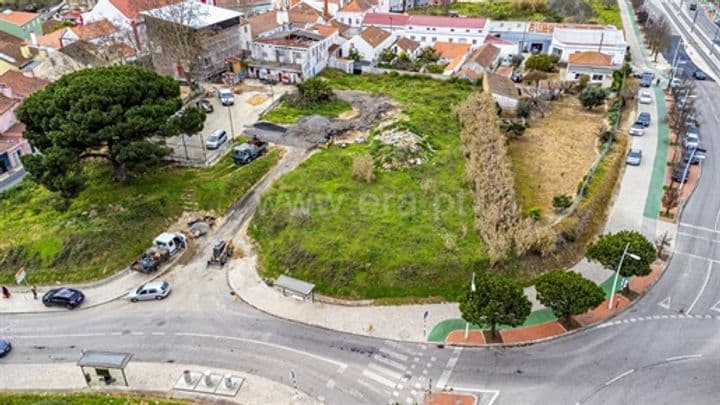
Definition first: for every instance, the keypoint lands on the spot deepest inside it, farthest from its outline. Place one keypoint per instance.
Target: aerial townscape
(439, 202)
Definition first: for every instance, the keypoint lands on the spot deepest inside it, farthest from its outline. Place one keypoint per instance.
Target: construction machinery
(326, 141)
(221, 252)
(150, 260)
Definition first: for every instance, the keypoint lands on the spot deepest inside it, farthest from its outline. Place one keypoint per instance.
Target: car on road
(692, 6)
(696, 157)
(5, 347)
(634, 157)
(680, 173)
(204, 105)
(637, 130)
(66, 297)
(643, 119)
(699, 75)
(216, 139)
(645, 97)
(646, 79)
(152, 290)
(691, 141)
(676, 83)
(226, 97)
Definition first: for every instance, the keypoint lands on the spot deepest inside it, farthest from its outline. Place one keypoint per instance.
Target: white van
(172, 241)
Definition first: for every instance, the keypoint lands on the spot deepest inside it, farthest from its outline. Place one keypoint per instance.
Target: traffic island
(450, 398)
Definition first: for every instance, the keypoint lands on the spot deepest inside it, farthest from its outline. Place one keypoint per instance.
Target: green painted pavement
(441, 331)
(655, 190)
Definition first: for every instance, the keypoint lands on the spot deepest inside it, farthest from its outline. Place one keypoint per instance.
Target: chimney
(326, 11)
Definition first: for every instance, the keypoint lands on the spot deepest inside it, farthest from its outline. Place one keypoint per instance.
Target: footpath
(157, 379)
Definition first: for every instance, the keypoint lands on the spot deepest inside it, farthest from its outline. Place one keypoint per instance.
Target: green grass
(286, 113)
(83, 399)
(72, 245)
(388, 238)
(441, 331)
(532, 10)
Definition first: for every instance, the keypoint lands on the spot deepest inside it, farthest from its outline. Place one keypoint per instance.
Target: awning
(294, 285)
(104, 360)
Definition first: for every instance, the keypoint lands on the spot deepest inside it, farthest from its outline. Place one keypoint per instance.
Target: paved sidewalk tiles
(601, 311)
(639, 285)
(531, 333)
(475, 337)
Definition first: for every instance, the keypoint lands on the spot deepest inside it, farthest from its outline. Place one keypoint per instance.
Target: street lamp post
(232, 127)
(617, 272)
(674, 62)
(467, 324)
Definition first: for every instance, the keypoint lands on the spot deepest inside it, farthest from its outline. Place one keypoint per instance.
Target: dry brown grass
(555, 153)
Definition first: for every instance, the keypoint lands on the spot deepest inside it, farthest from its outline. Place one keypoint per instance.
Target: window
(450, 39)
(207, 62)
(245, 29)
(452, 29)
(462, 40)
(413, 37)
(428, 28)
(474, 41)
(467, 30)
(577, 76)
(597, 77)
(422, 39)
(434, 39)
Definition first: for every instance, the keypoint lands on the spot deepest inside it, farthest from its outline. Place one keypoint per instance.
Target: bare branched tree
(658, 35)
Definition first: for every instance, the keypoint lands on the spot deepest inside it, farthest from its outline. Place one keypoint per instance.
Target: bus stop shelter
(103, 362)
(298, 287)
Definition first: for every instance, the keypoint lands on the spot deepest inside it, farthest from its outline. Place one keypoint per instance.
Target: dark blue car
(643, 119)
(5, 347)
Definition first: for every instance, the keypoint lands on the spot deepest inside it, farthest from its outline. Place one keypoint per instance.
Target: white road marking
(341, 366)
(445, 376)
(694, 256)
(716, 307)
(77, 335)
(494, 393)
(389, 362)
(700, 228)
(373, 388)
(378, 378)
(665, 303)
(397, 346)
(389, 373)
(394, 354)
(702, 289)
(137, 333)
(330, 384)
(158, 333)
(621, 376)
(685, 357)
(717, 220)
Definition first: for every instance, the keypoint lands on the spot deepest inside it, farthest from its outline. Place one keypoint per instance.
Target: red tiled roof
(357, 6)
(451, 51)
(96, 29)
(497, 41)
(132, 8)
(324, 30)
(407, 44)
(385, 19)
(17, 17)
(485, 55)
(449, 22)
(374, 36)
(10, 46)
(6, 103)
(51, 40)
(590, 58)
(468, 74)
(302, 14)
(262, 23)
(20, 84)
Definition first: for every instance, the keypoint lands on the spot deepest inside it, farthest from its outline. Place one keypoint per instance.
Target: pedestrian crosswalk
(398, 372)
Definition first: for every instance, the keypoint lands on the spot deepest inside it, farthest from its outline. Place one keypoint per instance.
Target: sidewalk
(159, 379)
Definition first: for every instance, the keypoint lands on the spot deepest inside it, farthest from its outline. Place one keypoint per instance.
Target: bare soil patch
(555, 153)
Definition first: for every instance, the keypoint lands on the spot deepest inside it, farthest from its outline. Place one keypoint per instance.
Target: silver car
(637, 130)
(634, 157)
(152, 290)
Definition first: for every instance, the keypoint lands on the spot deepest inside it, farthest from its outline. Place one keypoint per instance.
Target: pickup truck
(150, 260)
(172, 241)
(249, 151)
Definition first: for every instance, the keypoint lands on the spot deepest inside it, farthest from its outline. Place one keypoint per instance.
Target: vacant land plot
(408, 233)
(288, 112)
(555, 153)
(83, 399)
(109, 223)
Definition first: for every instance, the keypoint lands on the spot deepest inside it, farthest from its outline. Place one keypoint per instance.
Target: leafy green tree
(592, 96)
(608, 249)
(496, 300)
(561, 201)
(113, 113)
(387, 56)
(541, 62)
(428, 55)
(354, 54)
(567, 293)
(315, 91)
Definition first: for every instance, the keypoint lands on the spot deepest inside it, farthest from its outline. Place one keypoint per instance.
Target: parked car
(643, 119)
(699, 75)
(637, 130)
(217, 138)
(204, 105)
(691, 141)
(66, 297)
(5, 347)
(645, 97)
(692, 6)
(692, 121)
(249, 151)
(634, 157)
(676, 83)
(173, 242)
(696, 157)
(152, 290)
(646, 79)
(226, 97)
(680, 173)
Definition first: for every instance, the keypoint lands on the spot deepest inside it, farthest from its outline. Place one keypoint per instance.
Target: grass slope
(82, 399)
(73, 246)
(409, 233)
(286, 113)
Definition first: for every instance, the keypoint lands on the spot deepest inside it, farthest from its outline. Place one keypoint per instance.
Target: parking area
(252, 101)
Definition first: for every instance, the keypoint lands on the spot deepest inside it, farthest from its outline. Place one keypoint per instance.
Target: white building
(290, 56)
(369, 43)
(431, 29)
(125, 15)
(605, 39)
(353, 13)
(597, 66)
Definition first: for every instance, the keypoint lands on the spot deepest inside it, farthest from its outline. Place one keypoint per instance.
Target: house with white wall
(353, 13)
(407, 46)
(502, 90)
(597, 66)
(606, 39)
(290, 56)
(431, 29)
(454, 54)
(369, 43)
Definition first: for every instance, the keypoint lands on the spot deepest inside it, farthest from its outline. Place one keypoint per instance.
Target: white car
(226, 97)
(645, 97)
(216, 139)
(637, 130)
(152, 290)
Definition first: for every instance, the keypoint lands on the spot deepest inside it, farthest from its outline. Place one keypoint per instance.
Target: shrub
(535, 213)
(605, 134)
(524, 107)
(364, 168)
(435, 67)
(514, 128)
(541, 62)
(517, 60)
(592, 97)
(561, 201)
(314, 91)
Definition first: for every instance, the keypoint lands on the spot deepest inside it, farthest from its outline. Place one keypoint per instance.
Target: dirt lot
(555, 153)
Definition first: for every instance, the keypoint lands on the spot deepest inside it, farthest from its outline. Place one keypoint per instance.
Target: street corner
(532, 333)
(602, 311)
(450, 398)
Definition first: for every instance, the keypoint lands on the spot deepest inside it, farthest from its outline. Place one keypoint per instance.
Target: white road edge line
(58, 336)
(341, 366)
(700, 228)
(621, 376)
(685, 357)
(702, 289)
(495, 393)
(694, 256)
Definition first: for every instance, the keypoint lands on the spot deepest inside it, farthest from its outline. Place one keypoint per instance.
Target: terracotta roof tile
(450, 22)
(262, 23)
(324, 30)
(132, 8)
(10, 46)
(452, 51)
(51, 40)
(6, 103)
(374, 36)
(20, 84)
(590, 58)
(407, 44)
(357, 6)
(467, 74)
(94, 30)
(17, 17)
(303, 14)
(501, 85)
(485, 55)
(385, 19)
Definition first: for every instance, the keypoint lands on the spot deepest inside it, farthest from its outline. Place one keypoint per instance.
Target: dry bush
(497, 216)
(364, 168)
(449, 243)
(428, 186)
